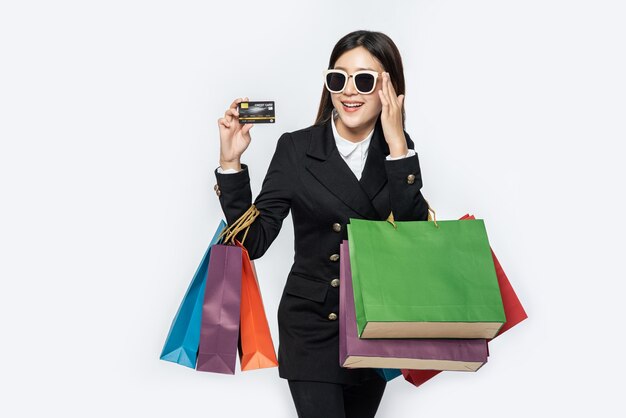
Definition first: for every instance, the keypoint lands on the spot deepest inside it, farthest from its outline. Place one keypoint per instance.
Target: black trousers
(334, 400)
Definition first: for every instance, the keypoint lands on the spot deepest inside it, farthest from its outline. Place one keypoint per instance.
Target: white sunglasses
(337, 80)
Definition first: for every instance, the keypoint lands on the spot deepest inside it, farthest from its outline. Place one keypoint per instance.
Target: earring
(335, 113)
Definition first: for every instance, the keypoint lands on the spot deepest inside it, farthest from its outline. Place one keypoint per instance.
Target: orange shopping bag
(256, 349)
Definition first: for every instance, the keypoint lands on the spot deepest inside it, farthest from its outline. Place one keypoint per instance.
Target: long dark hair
(379, 45)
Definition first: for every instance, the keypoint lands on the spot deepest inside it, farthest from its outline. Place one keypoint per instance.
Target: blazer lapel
(327, 166)
(374, 175)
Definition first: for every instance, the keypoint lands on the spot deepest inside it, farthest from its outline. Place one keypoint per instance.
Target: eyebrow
(361, 68)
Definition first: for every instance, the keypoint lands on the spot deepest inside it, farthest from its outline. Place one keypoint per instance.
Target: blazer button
(332, 316)
(336, 227)
(410, 178)
(334, 282)
(334, 257)
(217, 190)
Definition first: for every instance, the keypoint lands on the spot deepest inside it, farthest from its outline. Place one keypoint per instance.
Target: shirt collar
(346, 147)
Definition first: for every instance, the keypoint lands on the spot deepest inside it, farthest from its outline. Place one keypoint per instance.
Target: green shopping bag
(421, 279)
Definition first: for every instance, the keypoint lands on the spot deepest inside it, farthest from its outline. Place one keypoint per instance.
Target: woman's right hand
(234, 136)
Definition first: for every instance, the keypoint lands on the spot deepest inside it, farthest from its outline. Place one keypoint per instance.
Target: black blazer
(308, 176)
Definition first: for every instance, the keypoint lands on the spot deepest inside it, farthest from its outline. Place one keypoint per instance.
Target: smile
(351, 106)
(348, 104)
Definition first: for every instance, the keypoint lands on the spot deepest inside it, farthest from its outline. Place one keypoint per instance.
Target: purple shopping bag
(415, 353)
(219, 332)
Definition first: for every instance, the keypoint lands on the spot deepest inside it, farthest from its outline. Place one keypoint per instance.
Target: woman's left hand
(391, 118)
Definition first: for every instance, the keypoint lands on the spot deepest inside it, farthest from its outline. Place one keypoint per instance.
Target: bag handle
(431, 216)
(243, 222)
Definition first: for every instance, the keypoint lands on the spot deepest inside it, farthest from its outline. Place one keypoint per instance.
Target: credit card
(256, 112)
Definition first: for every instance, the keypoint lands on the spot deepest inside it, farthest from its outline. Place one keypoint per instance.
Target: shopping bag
(513, 309)
(219, 331)
(422, 279)
(428, 354)
(389, 374)
(256, 349)
(419, 377)
(181, 344)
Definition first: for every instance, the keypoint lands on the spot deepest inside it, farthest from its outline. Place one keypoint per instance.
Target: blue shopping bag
(389, 374)
(181, 345)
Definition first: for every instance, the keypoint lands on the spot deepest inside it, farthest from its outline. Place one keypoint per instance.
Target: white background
(109, 139)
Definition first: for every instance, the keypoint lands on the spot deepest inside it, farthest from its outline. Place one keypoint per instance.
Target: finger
(383, 85)
(390, 85)
(391, 92)
(401, 100)
(383, 100)
(382, 90)
(231, 115)
(246, 128)
(232, 112)
(235, 102)
(386, 89)
(223, 122)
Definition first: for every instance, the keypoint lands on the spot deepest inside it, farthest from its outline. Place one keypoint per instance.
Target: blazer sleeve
(273, 202)
(405, 183)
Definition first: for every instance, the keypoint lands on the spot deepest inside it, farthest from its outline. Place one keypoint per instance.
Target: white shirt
(353, 153)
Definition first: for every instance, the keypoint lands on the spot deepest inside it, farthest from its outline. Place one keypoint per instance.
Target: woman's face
(363, 118)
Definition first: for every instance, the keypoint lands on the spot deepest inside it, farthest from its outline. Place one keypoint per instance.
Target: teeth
(353, 104)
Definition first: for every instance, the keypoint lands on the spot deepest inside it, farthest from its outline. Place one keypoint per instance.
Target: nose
(350, 90)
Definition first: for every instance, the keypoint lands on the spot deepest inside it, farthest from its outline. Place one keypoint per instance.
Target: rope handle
(431, 216)
(243, 222)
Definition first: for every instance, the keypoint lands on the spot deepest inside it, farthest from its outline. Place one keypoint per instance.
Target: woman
(356, 161)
